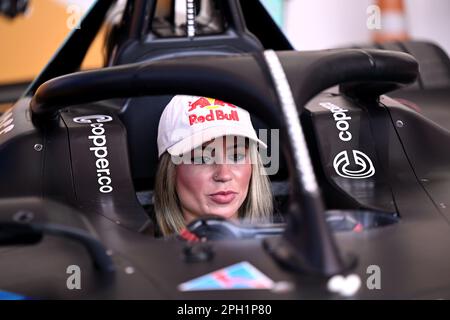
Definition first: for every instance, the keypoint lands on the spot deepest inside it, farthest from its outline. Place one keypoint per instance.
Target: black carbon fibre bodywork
(76, 150)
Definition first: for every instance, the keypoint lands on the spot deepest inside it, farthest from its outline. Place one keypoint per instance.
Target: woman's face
(216, 180)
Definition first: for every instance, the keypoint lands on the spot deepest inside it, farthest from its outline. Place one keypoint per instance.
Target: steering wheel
(212, 227)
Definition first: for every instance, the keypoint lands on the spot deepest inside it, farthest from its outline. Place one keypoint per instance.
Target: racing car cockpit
(346, 173)
(140, 116)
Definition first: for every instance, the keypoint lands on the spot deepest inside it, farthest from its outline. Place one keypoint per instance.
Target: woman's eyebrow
(238, 145)
(208, 148)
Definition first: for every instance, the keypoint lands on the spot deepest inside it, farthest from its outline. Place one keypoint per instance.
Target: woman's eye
(201, 160)
(207, 160)
(237, 157)
(196, 160)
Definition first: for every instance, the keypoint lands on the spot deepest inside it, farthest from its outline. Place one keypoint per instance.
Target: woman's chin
(226, 214)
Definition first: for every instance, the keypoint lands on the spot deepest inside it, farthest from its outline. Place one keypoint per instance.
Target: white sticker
(6, 122)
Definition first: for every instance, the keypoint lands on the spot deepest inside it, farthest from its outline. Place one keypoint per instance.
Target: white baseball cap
(189, 121)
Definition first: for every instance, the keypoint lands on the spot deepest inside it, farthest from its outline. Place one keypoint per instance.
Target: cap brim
(208, 134)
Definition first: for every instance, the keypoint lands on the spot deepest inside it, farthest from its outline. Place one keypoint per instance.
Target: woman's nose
(222, 173)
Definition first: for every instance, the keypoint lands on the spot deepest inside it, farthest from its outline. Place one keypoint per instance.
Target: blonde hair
(256, 208)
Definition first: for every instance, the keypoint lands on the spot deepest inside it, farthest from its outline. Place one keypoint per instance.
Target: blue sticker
(242, 275)
(4, 295)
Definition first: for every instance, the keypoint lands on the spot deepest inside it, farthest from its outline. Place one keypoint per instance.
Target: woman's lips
(223, 197)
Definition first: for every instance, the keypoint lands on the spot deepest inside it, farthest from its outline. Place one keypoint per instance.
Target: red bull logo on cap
(208, 103)
(215, 108)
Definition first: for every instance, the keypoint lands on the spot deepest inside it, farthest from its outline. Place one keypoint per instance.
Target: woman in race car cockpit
(209, 164)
